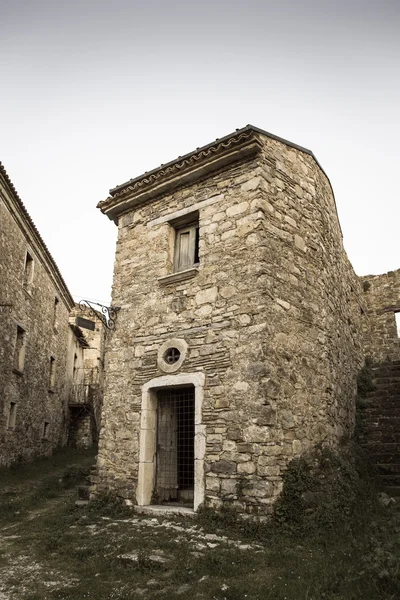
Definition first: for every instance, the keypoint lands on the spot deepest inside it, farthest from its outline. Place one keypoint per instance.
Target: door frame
(148, 435)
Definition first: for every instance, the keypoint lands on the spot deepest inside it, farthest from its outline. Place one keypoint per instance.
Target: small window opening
(172, 356)
(55, 312)
(46, 430)
(187, 240)
(397, 317)
(19, 353)
(75, 365)
(28, 271)
(12, 415)
(196, 246)
(52, 373)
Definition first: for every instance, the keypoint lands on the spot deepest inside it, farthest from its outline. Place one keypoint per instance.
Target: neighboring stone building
(41, 354)
(88, 373)
(34, 308)
(240, 334)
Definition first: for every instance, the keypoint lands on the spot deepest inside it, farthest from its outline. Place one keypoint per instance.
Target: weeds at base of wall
(329, 501)
(322, 491)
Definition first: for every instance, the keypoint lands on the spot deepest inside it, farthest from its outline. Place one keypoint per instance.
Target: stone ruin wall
(33, 310)
(382, 295)
(273, 319)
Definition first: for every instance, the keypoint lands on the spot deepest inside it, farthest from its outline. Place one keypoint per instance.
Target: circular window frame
(180, 345)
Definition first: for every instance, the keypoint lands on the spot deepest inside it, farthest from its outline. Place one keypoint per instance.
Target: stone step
(378, 436)
(390, 480)
(81, 503)
(389, 424)
(384, 405)
(388, 468)
(392, 491)
(375, 415)
(386, 367)
(381, 457)
(387, 448)
(380, 424)
(382, 393)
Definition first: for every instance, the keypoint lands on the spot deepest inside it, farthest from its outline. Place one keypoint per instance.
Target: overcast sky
(96, 92)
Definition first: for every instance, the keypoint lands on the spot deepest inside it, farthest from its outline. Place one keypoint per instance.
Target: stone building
(86, 395)
(240, 333)
(42, 357)
(34, 310)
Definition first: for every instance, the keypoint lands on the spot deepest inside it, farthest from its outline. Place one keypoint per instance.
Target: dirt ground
(50, 549)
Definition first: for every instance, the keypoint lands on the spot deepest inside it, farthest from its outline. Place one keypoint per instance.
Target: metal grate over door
(175, 446)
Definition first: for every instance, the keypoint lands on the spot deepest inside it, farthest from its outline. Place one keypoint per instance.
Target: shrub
(322, 491)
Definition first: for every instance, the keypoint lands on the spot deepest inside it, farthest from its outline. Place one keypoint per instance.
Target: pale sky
(94, 93)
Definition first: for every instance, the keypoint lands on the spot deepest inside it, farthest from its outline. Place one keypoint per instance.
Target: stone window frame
(148, 435)
(187, 224)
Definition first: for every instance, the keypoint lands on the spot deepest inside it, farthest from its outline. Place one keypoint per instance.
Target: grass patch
(329, 546)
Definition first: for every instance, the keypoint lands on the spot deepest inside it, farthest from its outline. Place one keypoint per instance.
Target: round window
(172, 355)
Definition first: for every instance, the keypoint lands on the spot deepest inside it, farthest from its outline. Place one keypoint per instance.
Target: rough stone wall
(382, 296)
(31, 306)
(82, 431)
(273, 318)
(93, 365)
(74, 372)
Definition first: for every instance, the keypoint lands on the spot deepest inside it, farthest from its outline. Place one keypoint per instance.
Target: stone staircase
(380, 425)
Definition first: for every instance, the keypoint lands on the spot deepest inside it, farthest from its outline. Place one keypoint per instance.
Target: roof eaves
(148, 174)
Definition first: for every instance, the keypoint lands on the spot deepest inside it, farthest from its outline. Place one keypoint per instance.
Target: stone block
(227, 467)
(229, 486)
(208, 295)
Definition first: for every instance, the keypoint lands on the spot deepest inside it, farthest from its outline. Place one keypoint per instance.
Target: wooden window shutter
(185, 248)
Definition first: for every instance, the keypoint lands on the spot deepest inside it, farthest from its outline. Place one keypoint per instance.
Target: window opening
(187, 246)
(28, 270)
(55, 313)
(52, 373)
(46, 430)
(397, 318)
(175, 446)
(75, 367)
(19, 353)
(12, 415)
(172, 356)
(196, 246)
